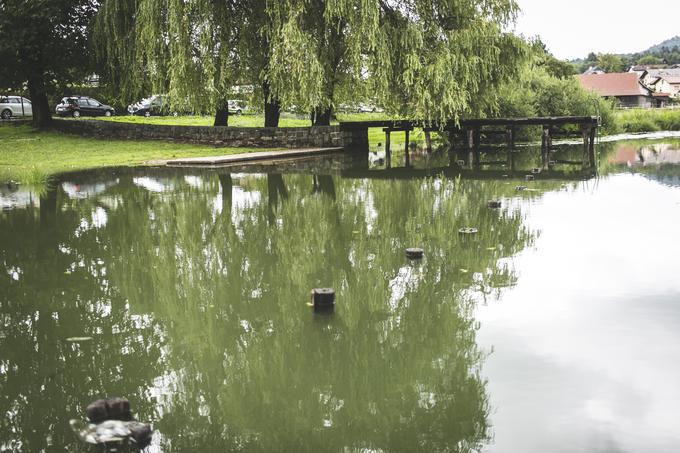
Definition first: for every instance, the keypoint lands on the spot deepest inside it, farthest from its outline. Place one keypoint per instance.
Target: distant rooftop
(665, 72)
(614, 84)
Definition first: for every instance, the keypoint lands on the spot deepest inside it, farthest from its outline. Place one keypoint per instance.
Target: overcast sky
(573, 28)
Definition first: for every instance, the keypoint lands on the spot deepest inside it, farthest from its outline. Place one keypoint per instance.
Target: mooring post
(387, 139)
(428, 140)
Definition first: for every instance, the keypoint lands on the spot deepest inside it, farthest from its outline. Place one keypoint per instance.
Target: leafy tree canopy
(610, 63)
(46, 41)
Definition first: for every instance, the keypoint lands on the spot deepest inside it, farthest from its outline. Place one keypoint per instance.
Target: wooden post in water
(473, 146)
(585, 131)
(591, 146)
(428, 140)
(406, 132)
(546, 145)
(510, 137)
(388, 151)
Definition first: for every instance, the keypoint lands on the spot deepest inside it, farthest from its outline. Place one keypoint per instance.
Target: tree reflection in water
(195, 289)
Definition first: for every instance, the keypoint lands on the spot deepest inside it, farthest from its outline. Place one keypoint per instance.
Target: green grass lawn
(30, 156)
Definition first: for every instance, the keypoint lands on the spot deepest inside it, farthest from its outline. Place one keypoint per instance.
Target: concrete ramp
(259, 156)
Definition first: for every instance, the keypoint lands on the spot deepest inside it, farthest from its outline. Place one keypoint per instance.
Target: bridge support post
(510, 137)
(473, 146)
(428, 140)
(588, 132)
(546, 145)
(591, 146)
(406, 140)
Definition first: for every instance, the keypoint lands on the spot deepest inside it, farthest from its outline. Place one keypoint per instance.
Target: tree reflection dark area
(194, 287)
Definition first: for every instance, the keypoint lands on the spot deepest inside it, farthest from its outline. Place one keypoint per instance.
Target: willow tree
(254, 53)
(428, 58)
(182, 48)
(434, 59)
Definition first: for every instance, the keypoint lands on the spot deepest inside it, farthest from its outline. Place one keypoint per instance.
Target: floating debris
(78, 339)
(520, 188)
(494, 204)
(468, 231)
(414, 253)
(529, 178)
(464, 271)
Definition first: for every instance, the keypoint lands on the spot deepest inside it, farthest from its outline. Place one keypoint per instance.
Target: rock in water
(112, 431)
(110, 422)
(109, 409)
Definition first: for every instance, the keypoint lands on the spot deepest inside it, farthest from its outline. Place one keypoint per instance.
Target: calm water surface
(556, 328)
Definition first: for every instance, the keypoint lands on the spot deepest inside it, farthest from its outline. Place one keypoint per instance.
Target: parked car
(368, 108)
(15, 106)
(151, 106)
(77, 106)
(236, 107)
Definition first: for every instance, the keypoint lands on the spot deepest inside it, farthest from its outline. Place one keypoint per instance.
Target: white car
(236, 107)
(15, 106)
(368, 108)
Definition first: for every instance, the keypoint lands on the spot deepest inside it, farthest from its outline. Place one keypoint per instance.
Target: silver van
(15, 106)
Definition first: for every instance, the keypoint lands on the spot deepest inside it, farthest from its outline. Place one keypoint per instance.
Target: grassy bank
(647, 120)
(30, 156)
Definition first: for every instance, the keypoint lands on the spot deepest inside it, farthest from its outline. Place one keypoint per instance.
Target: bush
(649, 120)
(537, 93)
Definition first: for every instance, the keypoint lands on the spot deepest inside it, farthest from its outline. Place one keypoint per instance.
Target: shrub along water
(649, 120)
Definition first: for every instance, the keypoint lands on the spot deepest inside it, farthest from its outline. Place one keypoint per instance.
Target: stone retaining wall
(247, 137)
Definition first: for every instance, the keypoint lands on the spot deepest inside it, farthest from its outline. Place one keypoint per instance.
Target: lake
(555, 328)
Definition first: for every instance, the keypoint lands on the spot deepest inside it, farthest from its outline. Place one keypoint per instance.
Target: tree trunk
(222, 117)
(272, 107)
(322, 117)
(42, 114)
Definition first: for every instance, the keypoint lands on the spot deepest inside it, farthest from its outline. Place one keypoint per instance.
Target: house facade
(665, 80)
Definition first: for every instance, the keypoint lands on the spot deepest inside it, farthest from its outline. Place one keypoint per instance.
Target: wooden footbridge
(473, 131)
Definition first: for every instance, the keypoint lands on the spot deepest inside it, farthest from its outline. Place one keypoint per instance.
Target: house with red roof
(626, 87)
